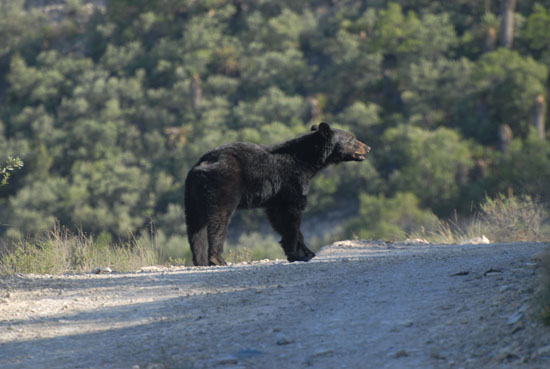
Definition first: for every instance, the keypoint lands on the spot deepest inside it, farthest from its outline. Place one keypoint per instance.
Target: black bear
(275, 177)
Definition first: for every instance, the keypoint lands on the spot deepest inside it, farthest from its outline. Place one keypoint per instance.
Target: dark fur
(275, 177)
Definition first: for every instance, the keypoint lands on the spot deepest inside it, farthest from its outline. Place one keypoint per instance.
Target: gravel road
(357, 305)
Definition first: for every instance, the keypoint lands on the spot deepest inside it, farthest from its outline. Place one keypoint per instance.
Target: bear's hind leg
(195, 218)
(198, 241)
(217, 229)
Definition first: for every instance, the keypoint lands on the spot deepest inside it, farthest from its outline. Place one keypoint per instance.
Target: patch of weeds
(61, 251)
(176, 261)
(254, 246)
(514, 218)
(171, 249)
(451, 231)
(38, 258)
(500, 218)
(237, 255)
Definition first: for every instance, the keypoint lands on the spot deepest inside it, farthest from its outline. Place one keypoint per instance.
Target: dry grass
(452, 231)
(61, 251)
(501, 219)
(515, 219)
(254, 246)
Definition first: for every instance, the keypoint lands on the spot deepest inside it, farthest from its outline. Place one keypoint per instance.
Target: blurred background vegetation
(109, 103)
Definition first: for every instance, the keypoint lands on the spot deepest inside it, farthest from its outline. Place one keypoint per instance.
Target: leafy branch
(11, 165)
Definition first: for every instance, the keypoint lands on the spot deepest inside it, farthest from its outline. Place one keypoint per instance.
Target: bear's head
(340, 145)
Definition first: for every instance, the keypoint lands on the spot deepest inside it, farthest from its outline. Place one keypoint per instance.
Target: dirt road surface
(357, 305)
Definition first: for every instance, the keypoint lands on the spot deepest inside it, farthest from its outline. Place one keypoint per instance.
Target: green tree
(351, 68)
(536, 31)
(408, 37)
(274, 106)
(433, 165)
(432, 89)
(18, 28)
(524, 168)
(35, 207)
(505, 85)
(361, 118)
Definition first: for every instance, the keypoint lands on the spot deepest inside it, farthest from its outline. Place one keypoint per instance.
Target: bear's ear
(314, 128)
(325, 130)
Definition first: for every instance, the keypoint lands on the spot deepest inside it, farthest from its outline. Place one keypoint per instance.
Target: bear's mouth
(361, 153)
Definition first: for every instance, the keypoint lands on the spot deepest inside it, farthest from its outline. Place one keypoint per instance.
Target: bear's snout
(361, 153)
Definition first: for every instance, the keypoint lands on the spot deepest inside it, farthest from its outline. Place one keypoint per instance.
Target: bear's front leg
(289, 242)
(286, 221)
(303, 250)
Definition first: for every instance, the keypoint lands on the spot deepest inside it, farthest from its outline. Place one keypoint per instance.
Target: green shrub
(388, 218)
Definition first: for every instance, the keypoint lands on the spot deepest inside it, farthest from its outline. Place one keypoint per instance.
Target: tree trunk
(313, 110)
(196, 92)
(540, 112)
(487, 6)
(505, 137)
(490, 40)
(507, 12)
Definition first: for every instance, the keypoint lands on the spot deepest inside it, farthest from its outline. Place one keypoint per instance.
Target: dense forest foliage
(109, 103)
